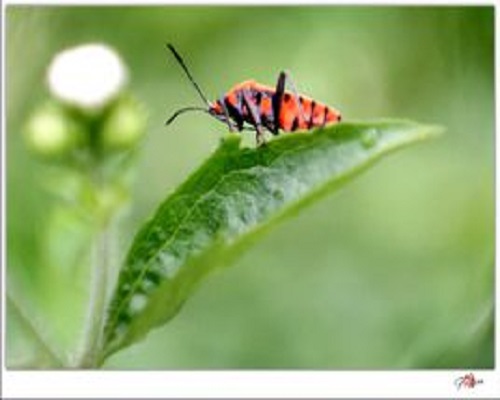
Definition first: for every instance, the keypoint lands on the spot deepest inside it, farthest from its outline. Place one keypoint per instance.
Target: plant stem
(98, 286)
(56, 361)
(101, 264)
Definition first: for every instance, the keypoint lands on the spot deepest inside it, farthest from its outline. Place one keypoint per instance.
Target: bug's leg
(254, 114)
(226, 113)
(277, 99)
(288, 78)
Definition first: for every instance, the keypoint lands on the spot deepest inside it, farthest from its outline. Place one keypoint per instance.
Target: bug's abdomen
(314, 114)
(291, 118)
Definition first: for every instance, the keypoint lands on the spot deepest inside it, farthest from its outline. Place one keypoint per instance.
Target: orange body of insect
(290, 118)
(262, 107)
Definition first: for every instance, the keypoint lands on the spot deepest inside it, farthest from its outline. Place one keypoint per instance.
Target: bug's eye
(339, 118)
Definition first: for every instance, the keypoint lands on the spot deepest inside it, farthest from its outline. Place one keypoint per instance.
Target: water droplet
(369, 138)
(278, 195)
(148, 285)
(120, 329)
(169, 264)
(137, 303)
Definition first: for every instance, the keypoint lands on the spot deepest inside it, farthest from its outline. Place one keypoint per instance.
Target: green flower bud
(52, 133)
(124, 126)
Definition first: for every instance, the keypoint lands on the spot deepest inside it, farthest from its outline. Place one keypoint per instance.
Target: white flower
(87, 76)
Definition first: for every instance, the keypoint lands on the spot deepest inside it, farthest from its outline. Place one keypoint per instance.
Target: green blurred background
(394, 271)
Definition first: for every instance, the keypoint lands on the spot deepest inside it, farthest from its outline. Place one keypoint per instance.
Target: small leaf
(234, 195)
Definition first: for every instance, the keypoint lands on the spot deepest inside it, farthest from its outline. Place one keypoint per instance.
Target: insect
(251, 105)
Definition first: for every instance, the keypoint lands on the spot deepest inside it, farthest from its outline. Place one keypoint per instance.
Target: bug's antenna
(181, 62)
(182, 111)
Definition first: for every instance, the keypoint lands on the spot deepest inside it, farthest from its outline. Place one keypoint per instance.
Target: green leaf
(233, 196)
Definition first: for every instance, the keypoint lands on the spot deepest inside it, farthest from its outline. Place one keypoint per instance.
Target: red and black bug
(250, 105)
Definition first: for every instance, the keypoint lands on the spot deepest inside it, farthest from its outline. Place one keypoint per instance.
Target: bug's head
(216, 110)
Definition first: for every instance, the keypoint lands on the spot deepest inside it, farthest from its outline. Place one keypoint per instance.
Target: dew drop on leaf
(369, 138)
